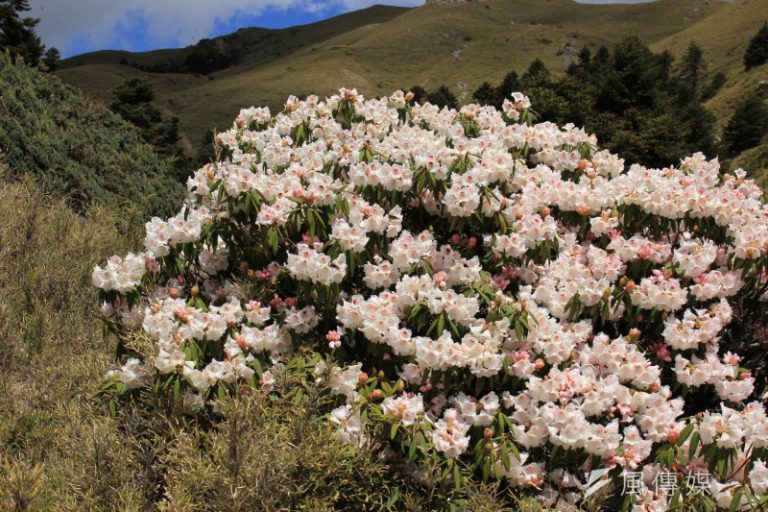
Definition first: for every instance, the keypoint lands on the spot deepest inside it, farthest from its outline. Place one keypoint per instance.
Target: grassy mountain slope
(724, 37)
(255, 44)
(76, 147)
(459, 44)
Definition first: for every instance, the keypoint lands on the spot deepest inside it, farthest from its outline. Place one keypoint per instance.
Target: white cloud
(104, 23)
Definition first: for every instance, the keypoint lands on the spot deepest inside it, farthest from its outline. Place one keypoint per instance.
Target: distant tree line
(204, 58)
(640, 104)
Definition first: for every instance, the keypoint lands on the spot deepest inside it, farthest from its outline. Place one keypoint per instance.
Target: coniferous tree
(632, 79)
(17, 33)
(133, 102)
(485, 94)
(748, 125)
(510, 84)
(631, 100)
(443, 97)
(582, 68)
(537, 74)
(419, 93)
(52, 59)
(665, 61)
(602, 57)
(700, 126)
(585, 57)
(715, 84)
(757, 51)
(692, 72)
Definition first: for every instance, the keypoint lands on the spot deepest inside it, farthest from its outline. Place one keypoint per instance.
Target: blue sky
(78, 26)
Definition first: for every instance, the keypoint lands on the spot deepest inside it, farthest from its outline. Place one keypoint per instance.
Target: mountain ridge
(461, 45)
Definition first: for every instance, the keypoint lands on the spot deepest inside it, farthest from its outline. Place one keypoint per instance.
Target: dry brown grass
(61, 451)
(53, 352)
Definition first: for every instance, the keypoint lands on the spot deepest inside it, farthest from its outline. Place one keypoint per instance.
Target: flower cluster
(498, 295)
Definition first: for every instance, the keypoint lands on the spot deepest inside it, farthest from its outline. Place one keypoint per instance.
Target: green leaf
(272, 239)
(311, 220)
(456, 477)
(684, 434)
(393, 497)
(736, 500)
(412, 450)
(505, 460)
(674, 499)
(515, 450)
(694, 444)
(519, 332)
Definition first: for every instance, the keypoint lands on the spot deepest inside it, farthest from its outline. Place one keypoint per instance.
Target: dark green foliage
(748, 125)
(443, 97)
(52, 59)
(508, 85)
(714, 86)
(692, 71)
(632, 78)
(485, 94)
(419, 93)
(76, 147)
(207, 58)
(629, 97)
(133, 102)
(17, 33)
(757, 51)
(537, 74)
(206, 151)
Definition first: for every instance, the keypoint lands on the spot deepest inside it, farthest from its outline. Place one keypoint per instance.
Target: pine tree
(692, 72)
(585, 58)
(748, 125)
(714, 86)
(419, 93)
(133, 102)
(485, 94)
(602, 57)
(52, 59)
(757, 51)
(633, 79)
(443, 97)
(510, 84)
(536, 75)
(17, 34)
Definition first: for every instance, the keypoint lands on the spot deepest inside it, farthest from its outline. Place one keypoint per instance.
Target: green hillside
(724, 37)
(75, 147)
(251, 45)
(460, 44)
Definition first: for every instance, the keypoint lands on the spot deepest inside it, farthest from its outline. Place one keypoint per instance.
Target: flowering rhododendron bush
(496, 296)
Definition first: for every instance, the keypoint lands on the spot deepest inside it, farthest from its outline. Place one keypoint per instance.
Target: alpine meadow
(469, 256)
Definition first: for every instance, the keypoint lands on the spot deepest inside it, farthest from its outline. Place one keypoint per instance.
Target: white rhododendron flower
(503, 297)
